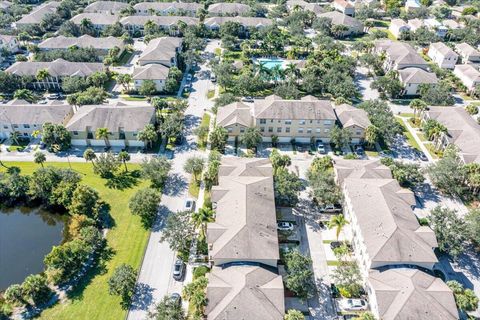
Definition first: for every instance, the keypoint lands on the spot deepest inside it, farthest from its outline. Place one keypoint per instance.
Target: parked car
(285, 226)
(334, 289)
(331, 208)
(213, 77)
(338, 244)
(176, 298)
(189, 77)
(353, 304)
(247, 99)
(359, 151)
(178, 270)
(53, 96)
(321, 147)
(42, 102)
(189, 205)
(42, 146)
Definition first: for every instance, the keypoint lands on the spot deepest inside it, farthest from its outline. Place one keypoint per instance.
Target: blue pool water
(271, 63)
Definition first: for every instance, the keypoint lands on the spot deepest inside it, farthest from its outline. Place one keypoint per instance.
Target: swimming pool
(271, 63)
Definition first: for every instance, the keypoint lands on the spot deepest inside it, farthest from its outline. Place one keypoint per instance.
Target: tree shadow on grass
(123, 180)
(99, 267)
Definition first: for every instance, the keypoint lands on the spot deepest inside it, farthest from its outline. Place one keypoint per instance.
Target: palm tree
(148, 135)
(436, 133)
(42, 75)
(24, 94)
(339, 30)
(201, 218)
(124, 80)
(194, 165)
(86, 26)
(15, 135)
(418, 105)
(103, 133)
(291, 71)
(89, 155)
(124, 156)
(251, 137)
(371, 135)
(39, 158)
(338, 221)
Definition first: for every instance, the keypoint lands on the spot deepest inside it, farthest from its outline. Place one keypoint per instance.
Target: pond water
(27, 235)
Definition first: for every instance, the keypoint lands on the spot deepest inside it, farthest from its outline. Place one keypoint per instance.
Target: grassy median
(126, 239)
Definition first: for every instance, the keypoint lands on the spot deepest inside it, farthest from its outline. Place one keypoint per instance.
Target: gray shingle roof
(360, 169)
(22, 112)
(443, 49)
(244, 21)
(467, 50)
(390, 230)
(150, 72)
(105, 6)
(400, 53)
(244, 292)
(234, 113)
(84, 41)
(404, 293)
(228, 8)
(57, 68)
(167, 6)
(161, 49)
(96, 18)
(308, 108)
(417, 76)
(339, 18)
(463, 131)
(468, 71)
(130, 118)
(36, 16)
(158, 20)
(245, 225)
(351, 116)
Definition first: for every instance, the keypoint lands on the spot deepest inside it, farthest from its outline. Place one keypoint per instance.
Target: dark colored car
(334, 289)
(176, 298)
(178, 270)
(422, 156)
(359, 150)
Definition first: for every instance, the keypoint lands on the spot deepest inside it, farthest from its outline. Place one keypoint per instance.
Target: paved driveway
(155, 278)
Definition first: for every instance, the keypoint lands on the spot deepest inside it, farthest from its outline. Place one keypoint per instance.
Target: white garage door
(79, 142)
(284, 139)
(117, 143)
(136, 143)
(97, 143)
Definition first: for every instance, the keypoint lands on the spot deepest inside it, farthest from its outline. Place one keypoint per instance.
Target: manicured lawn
(210, 94)
(333, 263)
(194, 188)
(411, 140)
(407, 115)
(127, 240)
(134, 98)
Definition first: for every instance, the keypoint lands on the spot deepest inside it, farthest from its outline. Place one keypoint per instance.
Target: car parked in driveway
(320, 147)
(176, 298)
(359, 151)
(189, 205)
(247, 99)
(178, 270)
(331, 208)
(189, 77)
(285, 226)
(353, 304)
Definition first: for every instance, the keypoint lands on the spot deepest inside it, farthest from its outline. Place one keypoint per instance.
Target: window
(5, 127)
(302, 122)
(326, 130)
(287, 129)
(288, 121)
(327, 122)
(359, 133)
(262, 129)
(75, 133)
(318, 130)
(134, 134)
(26, 126)
(25, 134)
(263, 121)
(309, 130)
(300, 130)
(279, 129)
(230, 130)
(242, 130)
(15, 126)
(270, 129)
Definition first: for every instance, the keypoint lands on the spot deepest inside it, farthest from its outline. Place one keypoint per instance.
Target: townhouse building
(100, 21)
(412, 80)
(102, 46)
(136, 24)
(399, 55)
(395, 254)
(398, 28)
(162, 51)
(304, 120)
(214, 23)
(106, 7)
(167, 8)
(36, 15)
(228, 9)
(243, 244)
(468, 75)
(462, 131)
(122, 121)
(56, 69)
(344, 7)
(467, 53)
(25, 118)
(354, 26)
(442, 55)
(9, 43)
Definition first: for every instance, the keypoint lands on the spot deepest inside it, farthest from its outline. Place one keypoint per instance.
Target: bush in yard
(200, 271)
(85, 201)
(348, 279)
(66, 260)
(287, 188)
(14, 295)
(449, 230)
(465, 299)
(122, 283)
(294, 315)
(156, 170)
(145, 204)
(472, 109)
(106, 165)
(36, 290)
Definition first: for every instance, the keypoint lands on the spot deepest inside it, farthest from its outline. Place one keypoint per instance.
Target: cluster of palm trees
(277, 72)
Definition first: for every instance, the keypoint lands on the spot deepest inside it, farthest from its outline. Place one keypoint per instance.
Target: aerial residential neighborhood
(260, 160)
